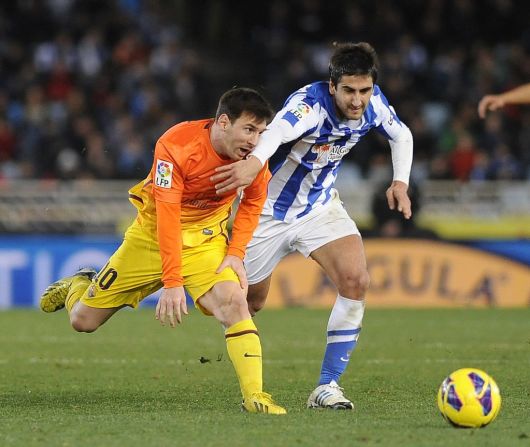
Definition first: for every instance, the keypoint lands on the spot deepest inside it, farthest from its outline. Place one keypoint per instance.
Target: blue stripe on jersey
(289, 191)
(344, 332)
(328, 191)
(369, 113)
(325, 132)
(316, 189)
(292, 186)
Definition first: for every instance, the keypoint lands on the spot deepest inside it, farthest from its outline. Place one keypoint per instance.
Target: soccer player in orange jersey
(179, 240)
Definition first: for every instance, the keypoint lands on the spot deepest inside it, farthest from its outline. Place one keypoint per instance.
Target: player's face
(242, 135)
(352, 95)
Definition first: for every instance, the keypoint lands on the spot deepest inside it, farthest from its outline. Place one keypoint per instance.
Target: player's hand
(171, 305)
(490, 102)
(236, 264)
(237, 175)
(397, 197)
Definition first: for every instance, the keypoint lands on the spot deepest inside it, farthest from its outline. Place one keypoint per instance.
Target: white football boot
(329, 396)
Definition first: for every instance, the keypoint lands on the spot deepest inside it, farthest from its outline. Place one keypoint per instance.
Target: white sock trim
(346, 314)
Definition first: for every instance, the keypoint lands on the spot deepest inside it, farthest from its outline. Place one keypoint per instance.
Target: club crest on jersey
(164, 171)
(329, 152)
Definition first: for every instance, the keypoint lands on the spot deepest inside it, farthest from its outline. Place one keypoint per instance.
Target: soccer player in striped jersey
(179, 239)
(318, 125)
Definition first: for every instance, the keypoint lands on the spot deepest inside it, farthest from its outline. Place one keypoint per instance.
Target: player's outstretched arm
(171, 304)
(518, 95)
(237, 175)
(491, 103)
(398, 198)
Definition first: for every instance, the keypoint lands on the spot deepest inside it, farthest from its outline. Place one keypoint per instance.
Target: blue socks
(344, 326)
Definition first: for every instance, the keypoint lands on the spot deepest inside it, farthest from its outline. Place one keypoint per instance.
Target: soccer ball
(469, 398)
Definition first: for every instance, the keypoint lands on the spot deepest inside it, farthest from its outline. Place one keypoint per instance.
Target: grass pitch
(134, 383)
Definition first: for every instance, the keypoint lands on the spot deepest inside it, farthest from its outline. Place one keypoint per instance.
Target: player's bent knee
(81, 323)
(255, 306)
(354, 285)
(364, 281)
(232, 303)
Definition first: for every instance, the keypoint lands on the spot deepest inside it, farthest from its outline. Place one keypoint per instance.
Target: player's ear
(332, 88)
(223, 121)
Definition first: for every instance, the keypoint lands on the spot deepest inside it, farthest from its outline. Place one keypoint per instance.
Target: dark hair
(357, 59)
(239, 100)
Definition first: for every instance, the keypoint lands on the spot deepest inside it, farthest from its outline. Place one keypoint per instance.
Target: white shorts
(274, 239)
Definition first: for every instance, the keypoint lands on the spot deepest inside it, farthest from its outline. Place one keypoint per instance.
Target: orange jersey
(178, 202)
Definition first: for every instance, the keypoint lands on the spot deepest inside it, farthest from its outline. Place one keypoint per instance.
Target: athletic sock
(344, 326)
(77, 289)
(244, 349)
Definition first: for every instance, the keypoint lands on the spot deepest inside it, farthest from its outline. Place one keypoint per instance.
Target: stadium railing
(452, 209)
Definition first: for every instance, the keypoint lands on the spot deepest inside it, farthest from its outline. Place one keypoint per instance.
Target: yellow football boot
(55, 294)
(261, 403)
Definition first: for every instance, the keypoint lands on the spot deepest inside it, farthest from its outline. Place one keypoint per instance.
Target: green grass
(134, 383)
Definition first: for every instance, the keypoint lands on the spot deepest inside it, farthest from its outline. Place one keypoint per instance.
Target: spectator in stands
(64, 59)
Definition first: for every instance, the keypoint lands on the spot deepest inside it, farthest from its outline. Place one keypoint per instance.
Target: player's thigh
(342, 258)
(271, 241)
(199, 265)
(133, 272)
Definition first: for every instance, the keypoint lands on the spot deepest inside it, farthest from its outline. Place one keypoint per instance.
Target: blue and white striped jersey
(313, 143)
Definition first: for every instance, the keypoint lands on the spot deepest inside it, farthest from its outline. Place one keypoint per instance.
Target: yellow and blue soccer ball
(469, 398)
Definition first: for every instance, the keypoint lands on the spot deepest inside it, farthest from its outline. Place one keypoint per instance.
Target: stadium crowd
(87, 87)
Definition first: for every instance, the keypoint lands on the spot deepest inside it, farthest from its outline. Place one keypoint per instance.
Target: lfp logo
(164, 170)
(301, 110)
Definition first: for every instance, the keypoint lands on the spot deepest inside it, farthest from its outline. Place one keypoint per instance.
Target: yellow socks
(77, 289)
(244, 349)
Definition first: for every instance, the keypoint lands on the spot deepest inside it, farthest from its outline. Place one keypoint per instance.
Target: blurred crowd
(87, 86)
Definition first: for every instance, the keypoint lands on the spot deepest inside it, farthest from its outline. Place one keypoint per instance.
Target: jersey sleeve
(168, 174)
(170, 242)
(398, 135)
(248, 212)
(168, 185)
(295, 119)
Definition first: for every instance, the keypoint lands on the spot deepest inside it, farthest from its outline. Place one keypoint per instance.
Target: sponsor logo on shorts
(164, 171)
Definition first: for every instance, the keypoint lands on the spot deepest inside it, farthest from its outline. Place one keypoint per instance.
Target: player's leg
(92, 299)
(221, 295)
(344, 262)
(257, 295)
(332, 239)
(227, 302)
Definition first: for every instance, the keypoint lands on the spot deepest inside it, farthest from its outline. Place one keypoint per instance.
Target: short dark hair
(357, 59)
(239, 100)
